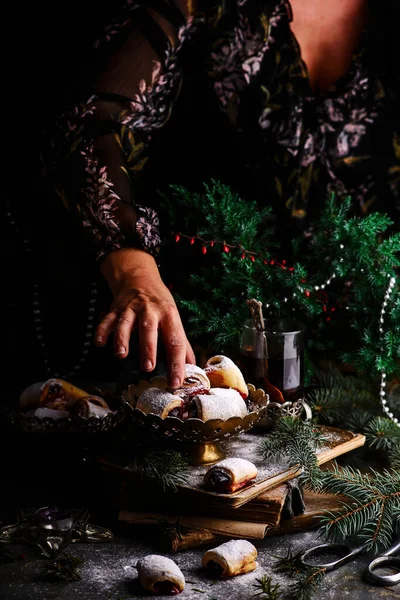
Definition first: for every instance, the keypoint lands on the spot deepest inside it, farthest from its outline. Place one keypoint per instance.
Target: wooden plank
(247, 445)
(340, 443)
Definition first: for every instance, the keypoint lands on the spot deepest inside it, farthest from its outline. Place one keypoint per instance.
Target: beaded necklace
(38, 312)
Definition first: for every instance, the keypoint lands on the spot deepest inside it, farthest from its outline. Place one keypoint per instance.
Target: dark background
(45, 46)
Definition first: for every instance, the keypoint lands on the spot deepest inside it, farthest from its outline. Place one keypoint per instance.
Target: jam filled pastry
(195, 377)
(194, 382)
(159, 402)
(160, 575)
(53, 393)
(91, 406)
(231, 558)
(230, 475)
(218, 406)
(222, 372)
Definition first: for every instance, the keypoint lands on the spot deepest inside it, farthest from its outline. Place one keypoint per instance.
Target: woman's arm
(124, 233)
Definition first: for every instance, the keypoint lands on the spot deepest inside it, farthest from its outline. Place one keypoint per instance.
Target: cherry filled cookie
(230, 559)
(160, 575)
(160, 402)
(230, 475)
(216, 392)
(218, 404)
(57, 399)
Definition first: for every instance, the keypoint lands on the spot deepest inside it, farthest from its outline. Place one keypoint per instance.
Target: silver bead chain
(38, 316)
(382, 393)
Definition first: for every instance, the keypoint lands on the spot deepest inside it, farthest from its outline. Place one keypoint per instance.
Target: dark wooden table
(42, 471)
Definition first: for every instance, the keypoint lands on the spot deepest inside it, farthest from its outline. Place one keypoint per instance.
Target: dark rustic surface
(108, 573)
(45, 470)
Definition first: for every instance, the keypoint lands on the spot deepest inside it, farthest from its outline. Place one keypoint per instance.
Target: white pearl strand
(382, 392)
(38, 317)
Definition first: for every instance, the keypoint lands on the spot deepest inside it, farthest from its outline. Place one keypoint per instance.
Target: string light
(307, 292)
(226, 247)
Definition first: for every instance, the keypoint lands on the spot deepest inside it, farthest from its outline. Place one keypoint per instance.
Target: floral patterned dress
(291, 148)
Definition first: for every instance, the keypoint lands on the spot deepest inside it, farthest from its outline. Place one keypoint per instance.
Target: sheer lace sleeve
(101, 145)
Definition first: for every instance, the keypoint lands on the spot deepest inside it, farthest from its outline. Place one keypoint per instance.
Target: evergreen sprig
(149, 458)
(308, 579)
(266, 590)
(169, 529)
(373, 514)
(62, 568)
(290, 564)
(350, 402)
(307, 584)
(360, 251)
(394, 457)
(297, 441)
(167, 467)
(382, 434)
(372, 517)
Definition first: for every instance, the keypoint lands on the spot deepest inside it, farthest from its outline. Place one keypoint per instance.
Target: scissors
(346, 554)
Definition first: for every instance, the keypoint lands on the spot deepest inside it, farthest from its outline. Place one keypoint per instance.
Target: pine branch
(297, 441)
(307, 578)
(342, 399)
(63, 568)
(149, 458)
(371, 517)
(170, 530)
(167, 467)
(357, 250)
(394, 457)
(307, 584)
(289, 564)
(382, 434)
(266, 589)
(328, 404)
(351, 403)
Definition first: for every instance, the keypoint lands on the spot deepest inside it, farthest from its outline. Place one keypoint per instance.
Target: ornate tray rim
(72, 424)
(175, 429)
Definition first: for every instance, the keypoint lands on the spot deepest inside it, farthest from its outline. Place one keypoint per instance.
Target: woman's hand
(142, 300)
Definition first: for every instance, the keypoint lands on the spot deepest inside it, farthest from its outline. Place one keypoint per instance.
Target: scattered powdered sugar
(246, 446)
(154, 400)
(218, 363)
(240, 467)
(332, 438)
(109, 573)
(212, 406)
(235, 553)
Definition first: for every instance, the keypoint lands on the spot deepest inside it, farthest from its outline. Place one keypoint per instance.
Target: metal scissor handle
(385, 560)
(378, 563)
(344, 552)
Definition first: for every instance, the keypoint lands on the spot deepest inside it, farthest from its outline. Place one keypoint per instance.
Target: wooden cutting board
(270, 473)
